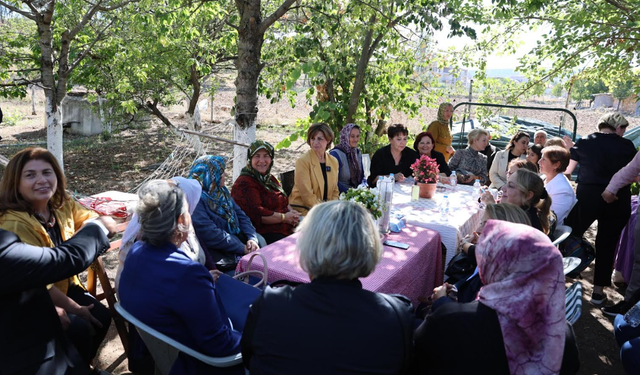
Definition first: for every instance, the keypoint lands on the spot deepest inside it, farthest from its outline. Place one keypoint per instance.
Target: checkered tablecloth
(463, 218)
(413, 272)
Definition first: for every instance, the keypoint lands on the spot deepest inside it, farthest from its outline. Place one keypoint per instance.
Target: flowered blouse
(469, 161)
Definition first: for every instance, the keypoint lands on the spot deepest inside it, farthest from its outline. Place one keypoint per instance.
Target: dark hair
(419, 138)
(557, 154)
(10, 197)
(324, 129)
(518, 136)
(396, 129)
(537, 149)
(523, 164)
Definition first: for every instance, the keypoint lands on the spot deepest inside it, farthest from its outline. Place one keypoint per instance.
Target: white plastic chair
(164, 349)
(573, 302)
(560, 234)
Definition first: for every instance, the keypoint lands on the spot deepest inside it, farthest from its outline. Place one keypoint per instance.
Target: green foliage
(622, 89)
(557, 90)
(366, 198)
(585, 88)
(19, 56)
(12, 119)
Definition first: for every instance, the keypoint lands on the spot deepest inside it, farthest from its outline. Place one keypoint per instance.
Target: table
(464, 214)
(413, 272)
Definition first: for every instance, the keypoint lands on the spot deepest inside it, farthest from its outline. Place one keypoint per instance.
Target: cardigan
(498, 172)
(443, 137)
(383, 163)
(69, 217)
(470, 161)
(344, 177)
(309, 184)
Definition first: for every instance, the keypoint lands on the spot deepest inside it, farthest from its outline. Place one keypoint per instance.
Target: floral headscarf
(208, 171)
(524, 285)
(264, 179)
(441, 109)
(351, 152)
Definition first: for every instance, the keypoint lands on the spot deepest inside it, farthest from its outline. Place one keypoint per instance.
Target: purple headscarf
(351, 152)
(524, 284)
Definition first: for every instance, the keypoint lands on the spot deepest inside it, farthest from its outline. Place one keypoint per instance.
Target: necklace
(46, 223)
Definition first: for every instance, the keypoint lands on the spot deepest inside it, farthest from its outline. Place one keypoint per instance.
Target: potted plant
(426, 173)
(366, 198)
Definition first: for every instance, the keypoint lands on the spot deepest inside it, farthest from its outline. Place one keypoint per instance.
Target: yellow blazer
(308, 185)
(69, 217)
(442, 135)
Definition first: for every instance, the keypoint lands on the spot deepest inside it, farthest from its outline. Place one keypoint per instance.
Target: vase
(427, 189)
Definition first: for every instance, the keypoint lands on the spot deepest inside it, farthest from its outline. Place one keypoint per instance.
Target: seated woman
(526, 190)
(517, 325)
(553, 163)
(192, 191)
(517, 148)
(534, 153)
(349, 158)
(35, 206)
(163, 287)
(221, 226)
(343, 325)
(628, 337)
(470, 163)
(424, 145)
(261, 197)
(441, 133)
(394, 158)
(514, 166)
(316, 178)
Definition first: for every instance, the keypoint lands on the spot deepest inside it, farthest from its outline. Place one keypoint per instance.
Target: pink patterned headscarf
(524, 284)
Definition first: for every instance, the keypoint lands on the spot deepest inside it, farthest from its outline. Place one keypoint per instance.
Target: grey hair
(540, 132)
(339, 239)
(159, 206)
(475, 134)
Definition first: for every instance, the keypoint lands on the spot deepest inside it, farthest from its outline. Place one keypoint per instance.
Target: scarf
(266, 179)
(524, 285)
(351, 152)
(208, 171)
(441, 109)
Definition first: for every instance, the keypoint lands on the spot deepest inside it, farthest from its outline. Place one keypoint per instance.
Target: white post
(246, 136)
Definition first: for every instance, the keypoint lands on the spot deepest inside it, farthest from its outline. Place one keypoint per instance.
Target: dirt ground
(94, 165)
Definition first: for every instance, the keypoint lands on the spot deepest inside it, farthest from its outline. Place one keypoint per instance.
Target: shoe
(598, 299)
(619, 308)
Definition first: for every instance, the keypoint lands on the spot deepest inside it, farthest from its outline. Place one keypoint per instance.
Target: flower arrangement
(425, 170)
(366, 198)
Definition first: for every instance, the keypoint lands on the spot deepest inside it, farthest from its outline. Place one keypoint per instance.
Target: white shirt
(562, 196)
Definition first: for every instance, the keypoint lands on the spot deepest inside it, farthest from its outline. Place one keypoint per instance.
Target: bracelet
(282, 216)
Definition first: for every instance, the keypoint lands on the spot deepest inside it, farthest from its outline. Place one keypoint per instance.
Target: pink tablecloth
(413, 272)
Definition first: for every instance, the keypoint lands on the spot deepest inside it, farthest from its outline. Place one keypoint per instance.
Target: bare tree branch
(86, 51)
(12, 8)
(271, 19)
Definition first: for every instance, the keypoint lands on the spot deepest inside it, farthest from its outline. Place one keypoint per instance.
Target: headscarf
(524, 285)
(351, 152)
(263, 179)
(612, 119)
(208, 171)
(441, 109)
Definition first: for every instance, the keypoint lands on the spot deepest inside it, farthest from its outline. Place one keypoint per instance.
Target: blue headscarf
(208, 171)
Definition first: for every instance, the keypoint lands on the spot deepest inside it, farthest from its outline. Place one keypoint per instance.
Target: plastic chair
(561, 233)
(573, 302)
(164, 349)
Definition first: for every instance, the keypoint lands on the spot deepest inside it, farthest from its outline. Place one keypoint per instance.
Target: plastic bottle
(476, 190)
(415, 192)
(453, 180)
(444, 207)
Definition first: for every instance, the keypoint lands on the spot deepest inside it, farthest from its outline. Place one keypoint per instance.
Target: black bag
(460, 267)
(579, 248)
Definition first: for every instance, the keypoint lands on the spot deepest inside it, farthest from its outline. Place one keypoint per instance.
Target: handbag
(237, 295)
(460, 267)
(579, 248)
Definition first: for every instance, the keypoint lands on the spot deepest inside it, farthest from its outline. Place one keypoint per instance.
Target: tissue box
(397, 222)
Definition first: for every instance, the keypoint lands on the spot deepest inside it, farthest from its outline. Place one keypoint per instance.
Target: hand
(441, 291)
(468, 179)
(609, 197)
(85, 313)
(567, 141)
(450, 150)
(445, 179)
(487, 197)
(215, 274)
(108, 223)
(399, 177)
(251, 246)
(64, 318)
(292, 218)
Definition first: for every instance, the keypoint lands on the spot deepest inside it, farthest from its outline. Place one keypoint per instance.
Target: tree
(621, 90)
(585, 88)
(66, 33)
(557, 90)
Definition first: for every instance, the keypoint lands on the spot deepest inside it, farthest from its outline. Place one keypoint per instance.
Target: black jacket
(31, 337)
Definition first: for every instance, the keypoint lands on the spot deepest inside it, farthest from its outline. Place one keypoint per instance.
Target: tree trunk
(33, 100)
(193, 113)
(358, 85)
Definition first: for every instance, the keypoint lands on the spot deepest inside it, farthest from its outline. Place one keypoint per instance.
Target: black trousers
(85, 336)
(612, 218)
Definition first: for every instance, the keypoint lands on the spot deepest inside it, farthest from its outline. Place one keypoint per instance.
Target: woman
(221, 226)
(600, 156)
(35, 206)
(440, 131)
(516, 326)
(517, 148)
(394, 158)
(514, 166)
(534, 153)
(163, 287)
(192, 192)
(526, 190)
(553, 163)
(260, 196)
(471, 163)
(346, 329)
(349, 158)
(424, 144)
(316, 177)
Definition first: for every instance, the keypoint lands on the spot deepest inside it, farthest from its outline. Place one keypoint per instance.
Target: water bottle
(476, 190)
(453, 180)
(444, 207)
(379, 186)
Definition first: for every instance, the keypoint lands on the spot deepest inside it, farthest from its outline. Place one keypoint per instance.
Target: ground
(123, 160)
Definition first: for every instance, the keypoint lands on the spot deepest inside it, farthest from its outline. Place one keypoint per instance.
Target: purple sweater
(625, 176)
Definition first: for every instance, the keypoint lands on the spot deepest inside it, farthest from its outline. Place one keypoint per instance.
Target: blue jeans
(628, 339)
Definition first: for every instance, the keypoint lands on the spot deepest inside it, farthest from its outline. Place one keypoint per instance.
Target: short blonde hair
(339, 239)
(320, 127)
(475, 134)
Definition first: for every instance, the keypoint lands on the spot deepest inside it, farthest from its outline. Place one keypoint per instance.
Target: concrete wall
(79, 116)
(602, 101)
